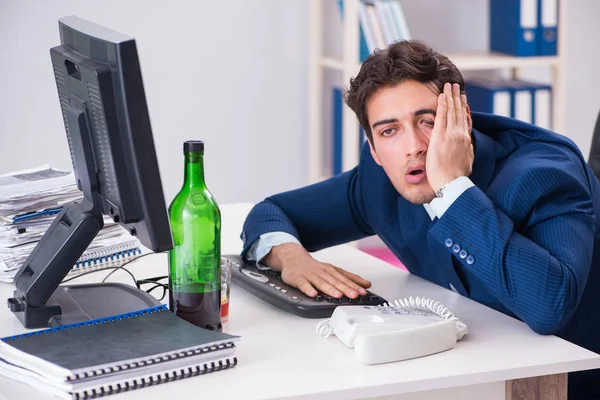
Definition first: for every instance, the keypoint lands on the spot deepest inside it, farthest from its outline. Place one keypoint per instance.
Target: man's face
(401, 119)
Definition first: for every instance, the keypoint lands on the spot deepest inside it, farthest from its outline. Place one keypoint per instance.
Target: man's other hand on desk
(299, 269)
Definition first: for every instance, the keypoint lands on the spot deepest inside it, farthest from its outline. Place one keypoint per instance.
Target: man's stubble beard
(417, 197)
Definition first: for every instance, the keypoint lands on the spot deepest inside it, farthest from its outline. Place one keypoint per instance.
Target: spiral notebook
(111, 355)
(106, 257)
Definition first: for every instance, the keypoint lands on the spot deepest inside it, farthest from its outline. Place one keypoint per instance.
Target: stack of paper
(30, 200)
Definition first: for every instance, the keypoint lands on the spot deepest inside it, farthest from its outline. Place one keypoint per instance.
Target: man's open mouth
(415, 175)
(416, 170)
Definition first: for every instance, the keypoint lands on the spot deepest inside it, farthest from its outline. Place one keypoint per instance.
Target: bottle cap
(193, 146)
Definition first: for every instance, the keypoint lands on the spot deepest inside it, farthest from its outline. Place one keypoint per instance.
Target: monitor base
(71, 304)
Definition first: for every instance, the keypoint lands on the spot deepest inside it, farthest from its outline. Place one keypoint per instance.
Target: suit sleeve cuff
(265, 243)
(439, 205)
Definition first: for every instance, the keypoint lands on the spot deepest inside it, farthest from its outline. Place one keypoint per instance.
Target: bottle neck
(194, 170)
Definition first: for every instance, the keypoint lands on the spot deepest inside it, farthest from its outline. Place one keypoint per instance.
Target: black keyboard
(268, 286)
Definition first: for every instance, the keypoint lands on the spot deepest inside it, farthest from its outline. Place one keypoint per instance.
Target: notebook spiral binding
(108, 251)
(106, 257)
(156, 360)
(156, 379)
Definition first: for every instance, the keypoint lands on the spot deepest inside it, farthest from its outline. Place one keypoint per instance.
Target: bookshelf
(349, 65)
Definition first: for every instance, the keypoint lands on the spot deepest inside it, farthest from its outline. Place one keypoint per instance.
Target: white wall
(231, 73)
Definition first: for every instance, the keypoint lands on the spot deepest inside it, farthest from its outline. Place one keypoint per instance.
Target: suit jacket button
(470, 260)
(448, 242)
(456, 248)
(463, 254)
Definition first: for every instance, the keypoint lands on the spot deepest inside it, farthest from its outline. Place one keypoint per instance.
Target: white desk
(280, 356)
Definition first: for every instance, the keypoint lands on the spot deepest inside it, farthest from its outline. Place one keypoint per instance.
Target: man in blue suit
(498, 210)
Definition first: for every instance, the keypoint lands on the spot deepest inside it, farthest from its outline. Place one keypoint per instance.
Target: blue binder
(542, 106)
(541, 103)
(489, 96)
(522, 94)
(548, 27)
(514, 27)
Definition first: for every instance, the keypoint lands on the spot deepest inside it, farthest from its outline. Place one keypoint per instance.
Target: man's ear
(373, 152)
(469, 120)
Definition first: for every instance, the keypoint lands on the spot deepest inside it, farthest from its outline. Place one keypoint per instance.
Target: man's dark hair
(401, 61)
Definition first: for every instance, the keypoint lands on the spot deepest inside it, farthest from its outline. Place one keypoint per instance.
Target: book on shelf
(381, 22)
(115, 354)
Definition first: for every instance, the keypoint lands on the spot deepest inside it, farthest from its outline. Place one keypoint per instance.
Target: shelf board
(471, 62)
(332, 63)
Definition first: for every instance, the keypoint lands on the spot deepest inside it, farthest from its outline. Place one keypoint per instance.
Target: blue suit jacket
(524, 240)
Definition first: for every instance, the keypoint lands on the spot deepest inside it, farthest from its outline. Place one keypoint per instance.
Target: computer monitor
(103, 105)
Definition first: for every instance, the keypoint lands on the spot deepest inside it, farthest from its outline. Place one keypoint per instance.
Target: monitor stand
(84, 302)
(39, 300)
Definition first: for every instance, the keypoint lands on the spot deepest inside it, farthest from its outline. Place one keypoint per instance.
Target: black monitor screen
(98, 69)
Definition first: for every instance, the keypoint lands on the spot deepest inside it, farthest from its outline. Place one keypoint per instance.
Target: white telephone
(407, 328)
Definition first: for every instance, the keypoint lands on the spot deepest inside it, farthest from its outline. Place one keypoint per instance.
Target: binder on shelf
(529, 102)
(548, 27)
(542, 106)
(540, 102)
(514, 27)
(489, 96)
(522, 101)
(115, 354)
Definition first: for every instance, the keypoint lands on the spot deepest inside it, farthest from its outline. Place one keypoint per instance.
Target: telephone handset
(400, 330)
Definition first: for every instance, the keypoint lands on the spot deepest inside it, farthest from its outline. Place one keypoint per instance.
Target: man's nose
(416, 144)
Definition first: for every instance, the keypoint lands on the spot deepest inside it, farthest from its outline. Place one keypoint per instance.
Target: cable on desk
(99, 270)
(136, 282)
(114, 269)
(124, 264)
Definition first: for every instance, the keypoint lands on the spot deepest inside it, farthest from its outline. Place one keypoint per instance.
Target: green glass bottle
(195, 260)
